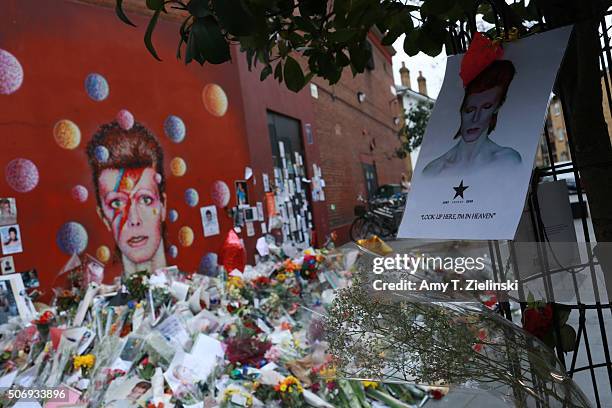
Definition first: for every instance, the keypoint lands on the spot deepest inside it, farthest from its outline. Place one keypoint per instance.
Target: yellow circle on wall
(67, 134)
(178, 167)
(185, 236)
(214, 99)
(103, 253)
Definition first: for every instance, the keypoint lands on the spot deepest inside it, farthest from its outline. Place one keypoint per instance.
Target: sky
(432, 67)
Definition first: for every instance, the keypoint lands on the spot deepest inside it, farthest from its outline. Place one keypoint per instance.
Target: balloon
(233, 253)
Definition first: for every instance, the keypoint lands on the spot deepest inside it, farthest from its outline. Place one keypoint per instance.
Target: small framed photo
(7, 264)
(210, 222)
(30, 279)
(242, 195)
(11, 239)
(250, 214)
(8, 211)
(12, 298)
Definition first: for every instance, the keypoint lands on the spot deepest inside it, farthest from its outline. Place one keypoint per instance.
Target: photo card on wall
(210, 222)
(8, 211)
(11, 239)
(242, 196)
(7, 264)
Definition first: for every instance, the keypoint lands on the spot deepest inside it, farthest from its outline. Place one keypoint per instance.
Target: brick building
(227, 141)
(356, 124)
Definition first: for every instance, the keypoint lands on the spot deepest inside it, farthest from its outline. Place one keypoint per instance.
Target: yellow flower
(235, 282)
(86, 361)
(281, 277)
(370, 384)
(328, 374)
(283, 387)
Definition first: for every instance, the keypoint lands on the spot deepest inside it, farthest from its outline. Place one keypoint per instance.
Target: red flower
(246, 351)
(315, 387)
(45, 318)
(538, 321)
(331, 385)
(436, 394)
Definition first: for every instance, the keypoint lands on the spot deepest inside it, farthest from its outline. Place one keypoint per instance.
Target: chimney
(405, 75)
(422, 84)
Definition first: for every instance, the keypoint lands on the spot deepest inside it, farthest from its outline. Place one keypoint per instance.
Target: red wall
(58, 44)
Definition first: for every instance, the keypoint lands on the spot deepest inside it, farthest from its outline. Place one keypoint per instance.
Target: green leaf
(149, 34)
(342, 35)
(234, 17)
(156, 5)
(294, 77)
(436, 7)
(562, 315)
(568, 338)
(121, 14)
(278, 72)
(411, 46)
(209, 44)
(198, 8)
(265, 72)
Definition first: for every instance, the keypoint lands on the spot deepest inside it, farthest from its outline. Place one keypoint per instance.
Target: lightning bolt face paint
(133, 206)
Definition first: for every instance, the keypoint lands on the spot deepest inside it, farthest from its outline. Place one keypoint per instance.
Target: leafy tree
(413, 129)
(329, 35)
(332, 35)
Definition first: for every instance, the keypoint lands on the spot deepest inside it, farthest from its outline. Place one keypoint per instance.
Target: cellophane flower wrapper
(412, 338)
(284, 329)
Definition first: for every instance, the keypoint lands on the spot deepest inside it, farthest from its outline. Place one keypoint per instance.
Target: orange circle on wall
(178, 167)
(103, 253)
(185, 236)
(214, 99)
(67, 134)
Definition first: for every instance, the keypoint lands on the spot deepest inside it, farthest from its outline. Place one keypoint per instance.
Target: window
(556, 108)
(371, 178)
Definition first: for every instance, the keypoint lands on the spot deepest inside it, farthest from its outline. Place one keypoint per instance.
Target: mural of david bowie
(130, 193)
(484, 96)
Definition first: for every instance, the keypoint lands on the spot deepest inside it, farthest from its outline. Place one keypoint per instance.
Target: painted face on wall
(133, 210)
(477, 113)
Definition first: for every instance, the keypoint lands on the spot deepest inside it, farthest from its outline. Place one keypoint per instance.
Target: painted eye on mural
(116, 204)
(146, 200)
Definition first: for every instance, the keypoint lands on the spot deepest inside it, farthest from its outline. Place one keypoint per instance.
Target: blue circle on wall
(173, 251)
(191, 197)
(174, 127)
(72, 238)
(96, 87)
(102, 154)
(173, 215)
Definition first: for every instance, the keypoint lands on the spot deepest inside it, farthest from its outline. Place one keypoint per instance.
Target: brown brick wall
(344, 130)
